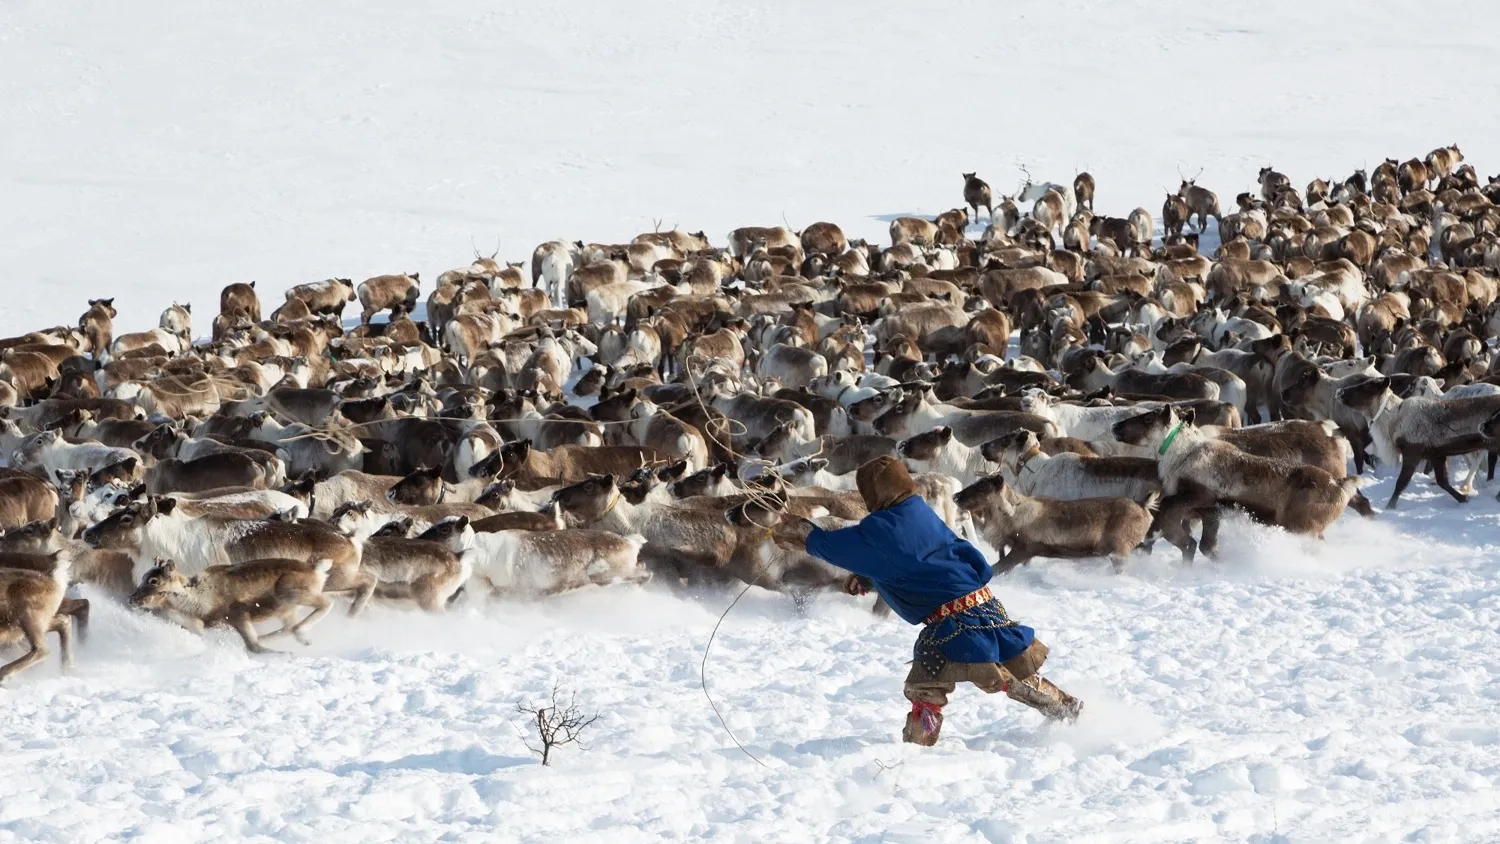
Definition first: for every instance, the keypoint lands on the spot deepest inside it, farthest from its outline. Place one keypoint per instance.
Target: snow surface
(1293, 691)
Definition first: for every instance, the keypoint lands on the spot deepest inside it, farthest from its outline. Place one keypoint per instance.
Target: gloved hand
(858, 585)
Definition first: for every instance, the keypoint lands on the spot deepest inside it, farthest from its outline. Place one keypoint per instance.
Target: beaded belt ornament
(957, 605)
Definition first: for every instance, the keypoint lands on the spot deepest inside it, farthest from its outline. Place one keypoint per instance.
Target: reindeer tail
(1152, 502)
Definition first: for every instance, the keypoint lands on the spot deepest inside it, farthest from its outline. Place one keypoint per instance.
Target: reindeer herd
(660, 408)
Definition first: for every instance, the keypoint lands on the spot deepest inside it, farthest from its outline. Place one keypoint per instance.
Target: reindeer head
(925, 446)
(158, 584)
(123, 529)
(703, 482)
(453, 533)
(984, 499)
(496, 496)
(764, 511)
(35, 537)
(588, 500)
(1369, 397)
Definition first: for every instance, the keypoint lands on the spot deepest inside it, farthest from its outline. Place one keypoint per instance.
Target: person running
(930, 576)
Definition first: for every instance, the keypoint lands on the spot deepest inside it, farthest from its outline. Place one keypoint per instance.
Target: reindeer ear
(945, 434)
(165, 506)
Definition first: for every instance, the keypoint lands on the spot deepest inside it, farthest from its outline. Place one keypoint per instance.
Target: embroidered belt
(957, 605)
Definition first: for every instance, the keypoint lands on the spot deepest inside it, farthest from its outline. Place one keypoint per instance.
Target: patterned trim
(987, 615)
(957, 605)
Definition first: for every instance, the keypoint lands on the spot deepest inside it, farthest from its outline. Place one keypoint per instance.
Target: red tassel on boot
(923, 723)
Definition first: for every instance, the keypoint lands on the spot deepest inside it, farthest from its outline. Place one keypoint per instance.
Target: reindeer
(1419, 429)
(1032, 527)
(396, 293)
(240, 595)
(1174, 214)
(1300, 499)
(157, 528)
(976, 194)
(324, 298)
(824, 239)
(1201, 202)
(1272, 184)
(1440, 162)
(429, 570)
(97, 324)
(1083, 190)
(30, 602)
(529, 564)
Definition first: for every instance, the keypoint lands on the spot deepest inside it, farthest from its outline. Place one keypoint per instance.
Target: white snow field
(1293, 691)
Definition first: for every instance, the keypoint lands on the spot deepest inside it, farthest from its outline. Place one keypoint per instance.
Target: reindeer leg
(424, 592)
(1174, 529)
(35, 634)
(1359, 443)
(1018, 554)
(1409, 463)
(1440, 474)
(239, 619)
(287, 617)
(78, 610)
(1475, 461)
(1493, 455)
(363, 587)
(321, 605)
(62, 625)
(1209, 542)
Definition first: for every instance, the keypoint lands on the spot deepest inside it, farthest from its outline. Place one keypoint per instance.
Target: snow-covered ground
(1293, 691)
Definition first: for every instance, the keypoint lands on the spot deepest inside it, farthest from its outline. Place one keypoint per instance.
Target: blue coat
(917, 564)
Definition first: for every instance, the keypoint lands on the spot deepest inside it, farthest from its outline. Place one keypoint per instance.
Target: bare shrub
(557, 724)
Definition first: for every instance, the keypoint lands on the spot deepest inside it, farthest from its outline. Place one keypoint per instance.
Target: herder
(932, 577)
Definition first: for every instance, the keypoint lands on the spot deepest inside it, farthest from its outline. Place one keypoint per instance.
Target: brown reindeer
(98, 325)
(1298, 498)
(30, 602)
(918, 230)
(1201, 202)
(1032, 527)
(323, 298)
(976, 194)
(238, 300)
(396, 293)
(25, 498)
(824, 239)
(1174, 215)
(1440, 162)
(1083, 190)
(240, 595)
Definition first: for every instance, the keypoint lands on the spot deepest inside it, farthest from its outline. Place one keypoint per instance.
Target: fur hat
(884, 482)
